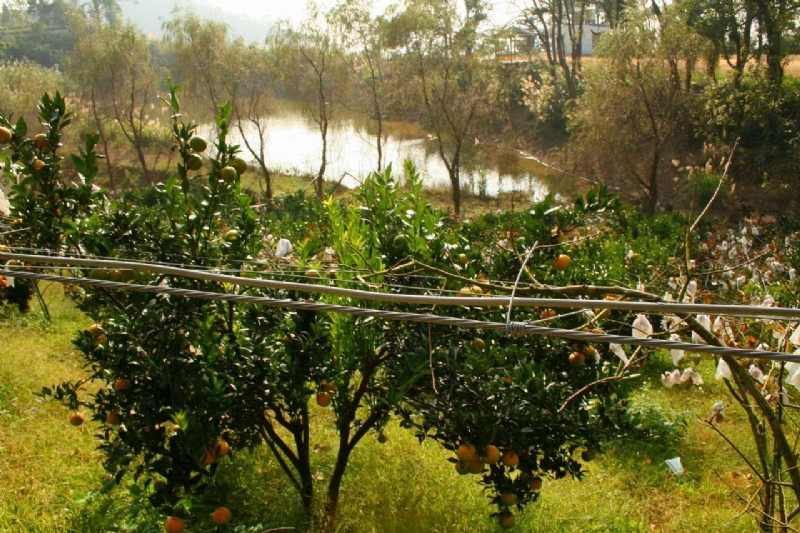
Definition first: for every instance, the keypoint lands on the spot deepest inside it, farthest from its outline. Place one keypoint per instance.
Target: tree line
(673, 88)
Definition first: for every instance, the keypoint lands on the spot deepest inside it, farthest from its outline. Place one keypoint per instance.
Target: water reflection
(293, 146)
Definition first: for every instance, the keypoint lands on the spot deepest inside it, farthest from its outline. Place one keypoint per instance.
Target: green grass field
(49, 470)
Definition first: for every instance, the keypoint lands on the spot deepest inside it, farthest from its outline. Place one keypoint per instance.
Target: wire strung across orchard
(511, 328)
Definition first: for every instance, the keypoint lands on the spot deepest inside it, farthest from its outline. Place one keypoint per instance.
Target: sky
(295, 10)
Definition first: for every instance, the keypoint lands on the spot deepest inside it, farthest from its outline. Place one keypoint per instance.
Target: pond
(293, 147)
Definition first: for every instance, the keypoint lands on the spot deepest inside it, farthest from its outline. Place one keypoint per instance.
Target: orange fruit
(466, 452)
(480, 344)
(95, 330)
(174, 525)
(221, 448)
(562, 262)
(5, 135)
(461, 468)
(208, 458)
(38, 164)
(323, 399)
(122, 384)
(535, 483)
(510, 459)
(194, 162)
(198, 144)
(76, 419)
(221, 516)
(590, 351)
(239, 164)
(113, 418)
(476, 466)
(328, 386)
(508, 499)
(507, 521)
(547, 313)
(228, 174)
(491, 455)
(40, 139)
(577, 359)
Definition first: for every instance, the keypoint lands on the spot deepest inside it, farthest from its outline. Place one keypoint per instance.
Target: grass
(48, 468)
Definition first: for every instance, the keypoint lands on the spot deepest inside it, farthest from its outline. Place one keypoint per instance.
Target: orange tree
(46, 199)
(177, 384)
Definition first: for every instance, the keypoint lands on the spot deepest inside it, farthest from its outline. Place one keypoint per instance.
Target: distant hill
(150, 14)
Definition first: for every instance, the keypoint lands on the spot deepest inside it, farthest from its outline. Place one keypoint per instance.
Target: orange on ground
(76, 419)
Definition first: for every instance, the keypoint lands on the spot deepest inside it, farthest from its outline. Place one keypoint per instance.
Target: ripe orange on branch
(221, 516)
(510, 459)
(562, 262)
(577, 359)
(323, 399)
(491, 455)
(174, 525)
(507, 521)
(508, 499)
(121, 384)
(40, 140)
(466, 452)
(5, 135)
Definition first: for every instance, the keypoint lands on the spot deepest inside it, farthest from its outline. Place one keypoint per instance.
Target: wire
(517, 327)
(662, 308)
